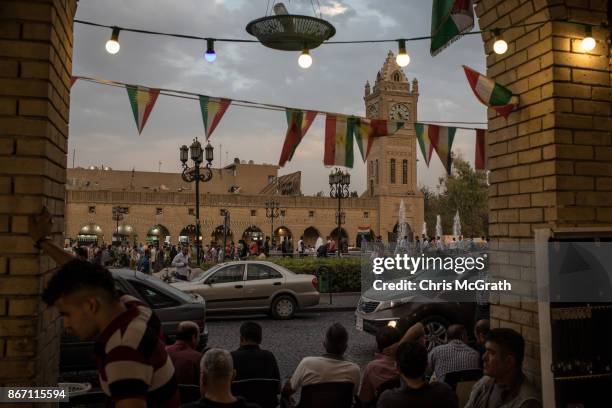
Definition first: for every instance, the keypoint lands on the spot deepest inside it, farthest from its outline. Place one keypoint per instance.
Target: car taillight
(315, 283)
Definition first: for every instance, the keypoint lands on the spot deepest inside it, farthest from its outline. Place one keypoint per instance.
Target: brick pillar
(35, 68)
(550, 161)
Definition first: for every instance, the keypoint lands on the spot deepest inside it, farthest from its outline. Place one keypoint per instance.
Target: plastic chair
(261, 391)
(327, 395)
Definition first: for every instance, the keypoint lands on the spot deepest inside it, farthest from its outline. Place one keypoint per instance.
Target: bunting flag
(422, 134)
(339, 140)
(298, 123)
(442, 141)
(73, 79)
(142, 100)
(213, 110)
(366, 130)
(450, 19)
(479, 161)
(490, 93)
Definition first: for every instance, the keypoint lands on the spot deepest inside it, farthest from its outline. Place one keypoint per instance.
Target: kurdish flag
(442, 141)
(422, 134)
(490, 93)
(212, 112)
(479, 162)
(450, 19)
(339, 140)
(366, 130)
(298, 123)
(142, 100)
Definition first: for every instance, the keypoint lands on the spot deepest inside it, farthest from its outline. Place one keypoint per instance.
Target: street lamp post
(272, 211)
(339, 182)
(197, 174)
(117, 216)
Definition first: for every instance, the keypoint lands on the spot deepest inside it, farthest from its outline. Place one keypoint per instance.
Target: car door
(224, 289)
(262, 283)
(167, 309)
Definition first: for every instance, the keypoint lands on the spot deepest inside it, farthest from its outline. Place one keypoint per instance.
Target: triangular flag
(442, 140)
(490, 93)
(366, 130)
(142, 100)
(298, 123)
(450, 19)
(422, 134)
(73, 79)
(212, 112)
(479, 161)
(339, 140)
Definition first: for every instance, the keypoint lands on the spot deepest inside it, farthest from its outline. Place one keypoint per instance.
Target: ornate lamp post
(339, 182)
(117, 216)
(197, 174)
(272, 212)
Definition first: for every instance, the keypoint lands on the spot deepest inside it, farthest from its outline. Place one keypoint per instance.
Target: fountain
(402, 229)
(424, 231)
(438, 226)
(456, 225)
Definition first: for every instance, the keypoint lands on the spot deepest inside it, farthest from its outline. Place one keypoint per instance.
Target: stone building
(161, 206)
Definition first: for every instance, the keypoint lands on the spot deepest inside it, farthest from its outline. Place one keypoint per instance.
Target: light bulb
(500, 47)
(402, 59)
(210, 54)
(588, 44)
(305, 60)
(112, 45)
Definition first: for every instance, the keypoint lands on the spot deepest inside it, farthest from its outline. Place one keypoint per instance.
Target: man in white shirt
(330, 367)
(181, 263)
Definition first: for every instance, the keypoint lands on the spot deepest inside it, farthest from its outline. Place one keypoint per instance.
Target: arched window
(396, 77)
(392, 171)
(376, 171)
(405, 172)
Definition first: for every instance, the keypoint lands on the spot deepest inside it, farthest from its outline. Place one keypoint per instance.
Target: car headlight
(390, 304)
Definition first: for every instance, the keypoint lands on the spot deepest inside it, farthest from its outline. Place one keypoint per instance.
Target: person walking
(181, 263)
(144, 264)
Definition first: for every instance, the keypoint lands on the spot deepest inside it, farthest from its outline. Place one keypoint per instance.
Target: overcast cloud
(102, 128)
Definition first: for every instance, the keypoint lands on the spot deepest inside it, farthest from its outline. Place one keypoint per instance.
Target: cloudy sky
(102, 128)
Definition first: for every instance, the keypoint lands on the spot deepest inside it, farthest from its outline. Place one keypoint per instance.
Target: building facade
(161, 206)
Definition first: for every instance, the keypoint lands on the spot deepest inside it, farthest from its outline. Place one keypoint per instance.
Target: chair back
(189, 393)
(261, 391)
(327, 395)
(456, 377)
(463, 391)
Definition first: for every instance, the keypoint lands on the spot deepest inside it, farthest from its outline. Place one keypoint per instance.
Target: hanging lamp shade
(290, 32)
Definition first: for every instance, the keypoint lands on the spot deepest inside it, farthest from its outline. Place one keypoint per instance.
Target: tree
(464, 190)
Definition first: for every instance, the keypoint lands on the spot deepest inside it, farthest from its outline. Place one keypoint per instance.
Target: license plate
(359, 323)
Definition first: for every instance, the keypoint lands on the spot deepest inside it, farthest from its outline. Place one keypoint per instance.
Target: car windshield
(156, 282)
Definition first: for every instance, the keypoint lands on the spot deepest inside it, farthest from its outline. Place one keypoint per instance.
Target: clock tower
(391, 165)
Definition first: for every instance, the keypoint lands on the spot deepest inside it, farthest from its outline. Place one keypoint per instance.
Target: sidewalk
(340, 302)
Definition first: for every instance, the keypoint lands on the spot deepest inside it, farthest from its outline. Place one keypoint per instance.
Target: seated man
(253, 363)
(504, 384)
(328, 368)
(481, 330)
(183, 353)
(382, 368)
(455, 355)
(417, 392)
(217, 373)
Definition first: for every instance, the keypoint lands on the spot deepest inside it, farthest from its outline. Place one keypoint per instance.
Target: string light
(305, 60)
(500, 46)
(402, 59)
(210, 54)
(112, 45)
(588, 43)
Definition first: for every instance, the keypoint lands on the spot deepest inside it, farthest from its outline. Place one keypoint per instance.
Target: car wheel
(435, 329)
(283, 307)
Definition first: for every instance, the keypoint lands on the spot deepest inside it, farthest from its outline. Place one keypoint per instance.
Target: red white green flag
(366, 130)
(298, 123)
(142, 100)
(212, 112)
(491, 93)
(339, 140)
(442, 138)
(422, 134)
(479, 162)
(450, 19)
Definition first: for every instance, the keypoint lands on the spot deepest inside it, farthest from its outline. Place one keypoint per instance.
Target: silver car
(253, 286)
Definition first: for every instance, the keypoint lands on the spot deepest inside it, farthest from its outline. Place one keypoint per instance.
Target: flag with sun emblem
(142, 100)
(339, 140)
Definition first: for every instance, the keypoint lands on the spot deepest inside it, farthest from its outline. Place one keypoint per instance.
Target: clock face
(372, 111)
(399, 111)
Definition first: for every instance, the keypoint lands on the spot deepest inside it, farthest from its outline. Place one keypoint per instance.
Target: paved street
(290, 340)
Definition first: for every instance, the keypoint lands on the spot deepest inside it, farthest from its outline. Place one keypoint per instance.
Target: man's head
(386, 337)
(411, 358)
(336, 339)
(250, 333)
(189, 332)
(83, 293)
(505, 349)
(216, 371)
(481, 330)
(457, 332)
(81, 253)
(185, 250)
